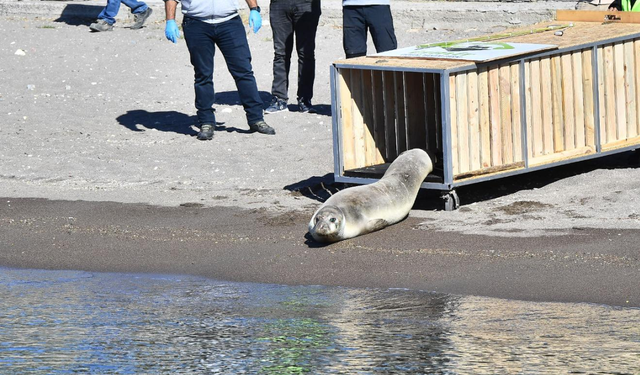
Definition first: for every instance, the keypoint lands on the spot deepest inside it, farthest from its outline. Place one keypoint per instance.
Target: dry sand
(108, 117)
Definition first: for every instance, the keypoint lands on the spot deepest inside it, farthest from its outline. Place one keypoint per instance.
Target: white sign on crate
(470, 51)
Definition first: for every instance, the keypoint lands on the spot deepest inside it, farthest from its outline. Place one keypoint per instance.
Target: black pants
(289, 18)
(357, 20)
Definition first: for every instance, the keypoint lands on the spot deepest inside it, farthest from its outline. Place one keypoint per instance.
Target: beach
(101, 171)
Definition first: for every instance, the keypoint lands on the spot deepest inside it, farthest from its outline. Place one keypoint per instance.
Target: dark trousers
(289, 18)
(202, 39)
(357, 20)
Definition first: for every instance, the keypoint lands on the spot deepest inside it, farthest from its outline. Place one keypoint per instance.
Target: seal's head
(327, 224)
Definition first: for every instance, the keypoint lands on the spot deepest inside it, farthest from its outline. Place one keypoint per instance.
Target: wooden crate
(481, 121)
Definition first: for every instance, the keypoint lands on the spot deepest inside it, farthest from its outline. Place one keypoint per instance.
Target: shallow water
(60, 322)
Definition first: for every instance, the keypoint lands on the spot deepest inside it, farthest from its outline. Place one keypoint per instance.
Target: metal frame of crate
(482, 121)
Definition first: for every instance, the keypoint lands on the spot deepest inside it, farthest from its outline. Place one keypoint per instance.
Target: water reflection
(58, 322)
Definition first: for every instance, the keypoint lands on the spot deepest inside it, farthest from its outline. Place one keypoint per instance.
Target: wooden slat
(546, 99)
(589, 97)
(602, 111)
(400, 125)
(578, 95)
(416, 116)
(367, 118)
(609, 95)
(535, 113)
(560, 156)
(527, 109)
(432, 111)
(516, 112)
(636, 53)
(357, 107)
(490, 171)
(378, 112)
(621, 115)
(596, 16)
(428, 111)
(494, 117)
(485, 126)
(630, 73)
(395, 63)
(372, 154)
(463, 126)
(348, 147)
(621, 143)
(568, 103)
(388, 83)
(453, 124)
(556, 104)
(438, 111)
(473, 121)
(506, 121)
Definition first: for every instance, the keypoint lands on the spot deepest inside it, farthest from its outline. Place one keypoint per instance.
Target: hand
(255, 20)
(171, 31)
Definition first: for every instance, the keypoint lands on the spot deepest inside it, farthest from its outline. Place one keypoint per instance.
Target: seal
(363, 209)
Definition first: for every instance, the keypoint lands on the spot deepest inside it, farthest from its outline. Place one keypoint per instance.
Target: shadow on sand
(139, 120)
(79, 14)
(232, 98)
(317, 188)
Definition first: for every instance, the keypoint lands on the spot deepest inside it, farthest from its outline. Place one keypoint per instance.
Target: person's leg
(140, 12)
(231, 39)
(136, 6)
(354, 31)
(198, 36)
(110, 11)
(306, 24)
(380, 24)
(282, 28)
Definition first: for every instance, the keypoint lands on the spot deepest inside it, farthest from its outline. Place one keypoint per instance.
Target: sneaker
(140, 18)
(101, 25)
(262, 127)
(206, 132)
(277, 105)
(305, 106)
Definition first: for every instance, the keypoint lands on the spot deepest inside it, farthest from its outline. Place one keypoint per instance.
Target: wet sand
(595, 265)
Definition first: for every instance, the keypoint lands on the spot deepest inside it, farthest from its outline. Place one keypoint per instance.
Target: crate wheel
(451, 200)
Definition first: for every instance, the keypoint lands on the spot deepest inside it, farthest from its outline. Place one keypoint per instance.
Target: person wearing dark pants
(202, 39)
(293, 19)
(207, 25)
(362, 16)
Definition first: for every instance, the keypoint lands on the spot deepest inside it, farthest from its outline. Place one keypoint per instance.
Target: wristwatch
(255, 8)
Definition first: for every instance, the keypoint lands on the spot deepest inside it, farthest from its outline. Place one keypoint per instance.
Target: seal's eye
(333, 220)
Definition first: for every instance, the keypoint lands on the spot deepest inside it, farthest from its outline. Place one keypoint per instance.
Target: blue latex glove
(255, 20)
(171, 31)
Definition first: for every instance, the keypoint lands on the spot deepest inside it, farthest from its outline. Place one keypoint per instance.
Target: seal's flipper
(377, 224)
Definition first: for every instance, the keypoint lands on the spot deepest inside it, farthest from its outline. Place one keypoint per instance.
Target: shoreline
(262, 246)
